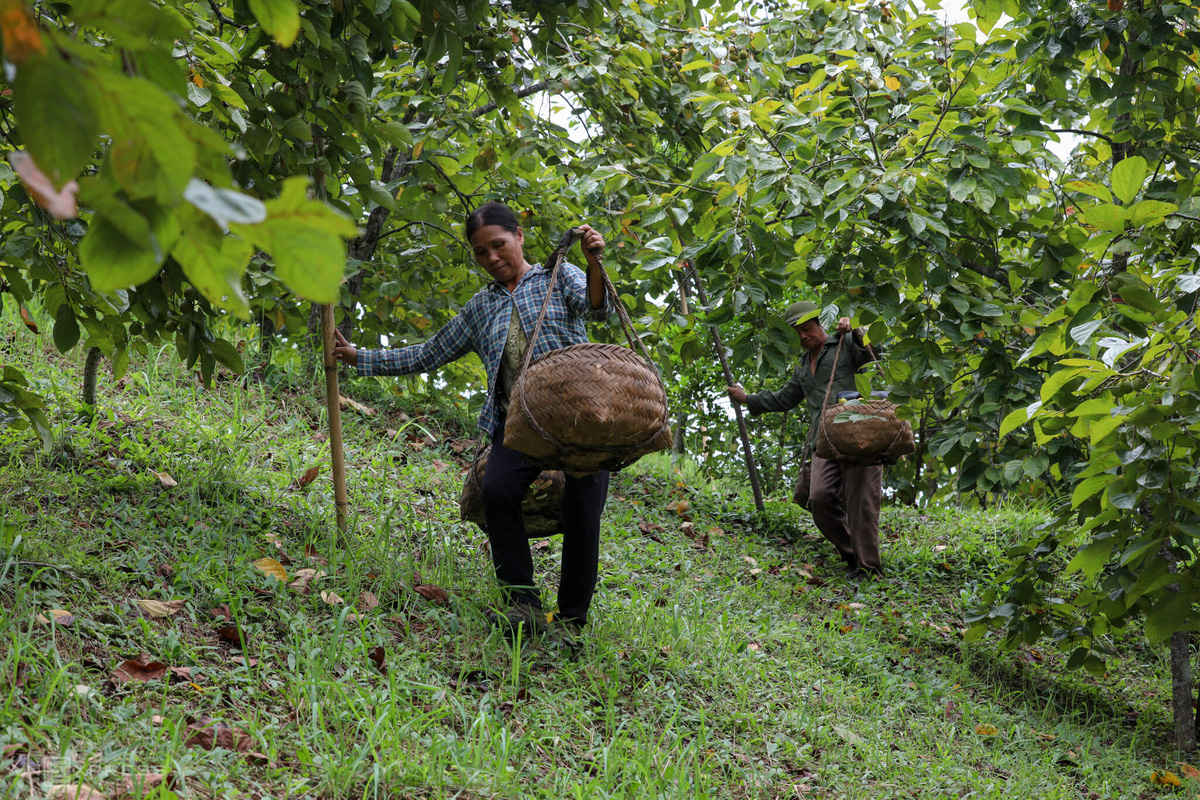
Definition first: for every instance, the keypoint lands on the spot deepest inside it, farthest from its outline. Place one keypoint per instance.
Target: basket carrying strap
(554, 263)
(825, 403)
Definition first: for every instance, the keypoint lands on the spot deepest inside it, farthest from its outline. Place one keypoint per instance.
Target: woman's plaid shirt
(482, 327)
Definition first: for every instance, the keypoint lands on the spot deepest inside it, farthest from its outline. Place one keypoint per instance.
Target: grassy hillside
(728, 657)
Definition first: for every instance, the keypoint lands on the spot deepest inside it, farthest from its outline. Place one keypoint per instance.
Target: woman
(496, 323)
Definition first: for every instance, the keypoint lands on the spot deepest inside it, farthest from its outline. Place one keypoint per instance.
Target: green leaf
(394, 133)
(304, 237)
(214, 263)
(1093, 557)
(66, 328)
(1097, 190)
(1017, 418)
(1174, 613)
(58, 120)
(1107, 217)
(134, 24)
(114, 261)
(280, 18)
(1150, 212)
(151, 156)
(1127, 178)
(1089, 487)
(410, 11)
(228, 355)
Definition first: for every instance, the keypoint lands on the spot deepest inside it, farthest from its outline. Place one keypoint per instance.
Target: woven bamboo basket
(587, 407)
(875, 436)
(542, 504)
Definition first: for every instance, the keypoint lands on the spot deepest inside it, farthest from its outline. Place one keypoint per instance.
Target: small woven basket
(587, 407)
(542, 505)
(879, 437)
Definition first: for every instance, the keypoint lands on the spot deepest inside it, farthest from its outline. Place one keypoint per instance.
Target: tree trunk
(678, 444)
(90, 369)
(1181, 691)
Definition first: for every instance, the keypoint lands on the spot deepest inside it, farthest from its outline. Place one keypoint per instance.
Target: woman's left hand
(592, 244)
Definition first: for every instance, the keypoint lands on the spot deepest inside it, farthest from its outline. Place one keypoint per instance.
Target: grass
(741, 665)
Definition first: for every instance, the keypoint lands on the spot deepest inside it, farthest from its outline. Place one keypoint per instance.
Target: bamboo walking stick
(737, 407)
(333, 404)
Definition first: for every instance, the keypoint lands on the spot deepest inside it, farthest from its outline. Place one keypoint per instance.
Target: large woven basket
(869, 433)
(542, 505)
(587, 407)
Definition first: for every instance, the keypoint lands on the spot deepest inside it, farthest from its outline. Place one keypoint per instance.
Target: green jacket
(806, 386)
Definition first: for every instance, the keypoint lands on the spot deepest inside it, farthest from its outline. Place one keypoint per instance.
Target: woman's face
(500, 252)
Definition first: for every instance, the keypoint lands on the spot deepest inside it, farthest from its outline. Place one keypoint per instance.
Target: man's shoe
(520, 615)
(564, 634)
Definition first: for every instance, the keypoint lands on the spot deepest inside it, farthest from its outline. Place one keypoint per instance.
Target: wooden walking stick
(737, 407)
(333, 404)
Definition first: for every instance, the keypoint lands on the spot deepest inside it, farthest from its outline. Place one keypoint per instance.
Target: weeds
(726, 658)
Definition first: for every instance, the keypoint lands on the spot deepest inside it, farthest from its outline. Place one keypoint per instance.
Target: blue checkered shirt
(482, 326)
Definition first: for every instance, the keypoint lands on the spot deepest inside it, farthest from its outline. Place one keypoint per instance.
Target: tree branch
(1082, 132)
(524, 91)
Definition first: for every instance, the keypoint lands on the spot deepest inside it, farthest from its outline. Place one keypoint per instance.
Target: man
(844, 499)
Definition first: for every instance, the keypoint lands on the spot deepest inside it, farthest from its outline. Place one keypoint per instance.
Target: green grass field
(727, 658)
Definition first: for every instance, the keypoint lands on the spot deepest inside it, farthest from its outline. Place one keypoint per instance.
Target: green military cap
(800, 311)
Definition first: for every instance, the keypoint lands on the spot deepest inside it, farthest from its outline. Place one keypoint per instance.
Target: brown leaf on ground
(74, 791)
(139, 670)
(542, 546)
(332, 599)
(271, 567)
(164, 570)
(212, 735)
(367, 601)
(140, 784)
(308, 477)
(165, 479)
(258, 759)
(303, 577)
(160, 608)
(222, 612)
(231, 634)
(242, 661)
(377, 657)
(440, 466)
(347, 402)
(182, 673)
(680, 507)
(1188, 771)
(60, 617)
(951, 711)
(434, 594)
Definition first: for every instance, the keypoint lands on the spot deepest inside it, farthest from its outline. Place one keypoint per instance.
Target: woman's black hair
(492, 214)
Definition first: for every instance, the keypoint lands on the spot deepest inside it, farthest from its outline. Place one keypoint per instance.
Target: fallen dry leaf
(230, 633)
(346, 402)
(434, 594)
(984, 729)
(245, 662)
(258, 759)
(212, 735)
(165, 479)
(164, 570)
(59, 202)
(141, 783)
(331, 598)
(76, 791)
(308, 477)
(183, 673)
(1165, 778)
(58, 616)
(680, 507)
(367, 600)
(377, 657)
(139, 670)
(271, 567)
(222, 612)
(303, 577)
(160, 608)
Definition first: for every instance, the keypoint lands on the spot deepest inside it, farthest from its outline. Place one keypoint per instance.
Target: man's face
(812, 335)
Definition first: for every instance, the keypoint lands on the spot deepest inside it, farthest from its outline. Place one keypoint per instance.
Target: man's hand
(736, 393)
(844, 325)
(344, 351)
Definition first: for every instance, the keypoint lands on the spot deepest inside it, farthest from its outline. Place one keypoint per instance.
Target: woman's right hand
(736, 393)
(344, 351)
